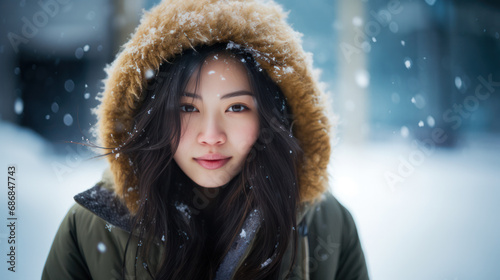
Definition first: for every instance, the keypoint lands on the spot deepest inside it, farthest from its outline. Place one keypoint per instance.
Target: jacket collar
(106, 205)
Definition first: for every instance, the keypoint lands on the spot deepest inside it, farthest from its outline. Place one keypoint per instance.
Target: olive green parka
(91, 240)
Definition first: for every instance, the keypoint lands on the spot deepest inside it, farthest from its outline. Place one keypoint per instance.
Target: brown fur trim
(173, 26)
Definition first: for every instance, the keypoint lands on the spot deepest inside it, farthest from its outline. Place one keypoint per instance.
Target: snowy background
(416, 156)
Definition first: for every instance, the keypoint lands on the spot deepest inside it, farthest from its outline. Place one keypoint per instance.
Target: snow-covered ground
(440, 222)
(45, 188)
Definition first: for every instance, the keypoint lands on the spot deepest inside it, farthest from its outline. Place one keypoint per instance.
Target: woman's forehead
(223, 65)
(221, 73)
(224, 57)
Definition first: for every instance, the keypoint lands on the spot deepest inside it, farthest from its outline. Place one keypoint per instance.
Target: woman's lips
(212, 162)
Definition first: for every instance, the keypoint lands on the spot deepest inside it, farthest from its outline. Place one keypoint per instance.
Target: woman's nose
(211, 132)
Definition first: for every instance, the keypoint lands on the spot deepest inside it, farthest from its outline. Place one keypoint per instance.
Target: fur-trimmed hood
(176, 25)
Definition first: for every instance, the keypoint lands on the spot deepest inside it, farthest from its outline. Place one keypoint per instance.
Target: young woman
(217, 136)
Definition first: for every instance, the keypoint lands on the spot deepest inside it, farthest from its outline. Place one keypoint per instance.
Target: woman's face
(219, 122)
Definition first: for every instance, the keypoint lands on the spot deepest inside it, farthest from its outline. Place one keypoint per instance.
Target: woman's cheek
(247, 135)
(186, 126)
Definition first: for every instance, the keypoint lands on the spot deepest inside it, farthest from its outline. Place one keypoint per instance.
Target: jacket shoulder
(335, 250)
(65, 259)
(85, 247)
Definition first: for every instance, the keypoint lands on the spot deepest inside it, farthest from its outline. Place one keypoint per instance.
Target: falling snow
(287, 70)
(458, 82)
(69, 85)
(405, 131)
(149, 74)
(109, 227)
(266, 263)
(101, 247)
(419, 101)
(184, 209)
(79, 53)
(430, 121)
(362, 78)
(54, 107)
(68, 119)
(394, 27)
(19, 106)
(357, 21)
(408, 63)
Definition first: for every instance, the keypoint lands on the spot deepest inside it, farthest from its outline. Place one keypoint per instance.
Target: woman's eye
(237, 108)
(188, 108)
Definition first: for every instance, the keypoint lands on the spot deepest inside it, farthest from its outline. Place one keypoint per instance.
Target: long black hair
(172, 211)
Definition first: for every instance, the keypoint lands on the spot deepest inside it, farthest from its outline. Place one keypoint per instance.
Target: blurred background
(415, 86)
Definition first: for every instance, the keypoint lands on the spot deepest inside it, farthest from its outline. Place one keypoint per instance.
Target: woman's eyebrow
(225, 96)
(192, 95)
(236, 93)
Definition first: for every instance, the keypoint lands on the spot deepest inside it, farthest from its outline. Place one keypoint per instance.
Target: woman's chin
(209, 184)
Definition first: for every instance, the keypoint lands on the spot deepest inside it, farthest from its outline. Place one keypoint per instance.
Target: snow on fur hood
(176, 25)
